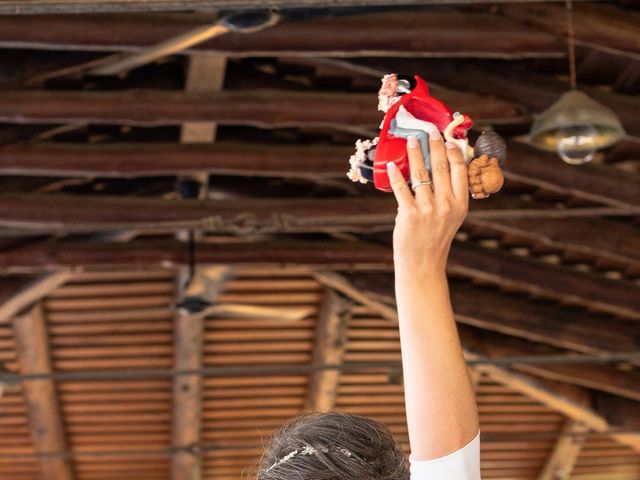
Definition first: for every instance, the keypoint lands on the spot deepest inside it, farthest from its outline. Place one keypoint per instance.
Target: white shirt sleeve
(463, 464)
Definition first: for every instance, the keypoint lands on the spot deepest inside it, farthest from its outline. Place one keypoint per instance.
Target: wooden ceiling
(231, 156)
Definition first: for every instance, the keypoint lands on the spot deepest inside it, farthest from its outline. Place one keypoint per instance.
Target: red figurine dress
(420, 111)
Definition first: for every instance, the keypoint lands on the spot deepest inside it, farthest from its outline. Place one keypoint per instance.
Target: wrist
(420, 272)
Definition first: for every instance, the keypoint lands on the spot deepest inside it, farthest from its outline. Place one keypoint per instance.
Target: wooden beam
(607, 244)
(187, 390)
(63, 213)
(205, 75)
(31, 292)
(122, 64)
(340, 284)
(43, 411)
(145, 159)
(627, 150)
(541, 322)
(100, 6)
(518, 316)
(622, 414)
(187, 397)
(606, 27)
(508, 82)
(329, 348)
(167, 253)
(536, 278)
(590, 182)
(574, 408)
(595, 183)
(486, 265)
(565, 453)
(423, 33)
(603, 378)
(262, 108)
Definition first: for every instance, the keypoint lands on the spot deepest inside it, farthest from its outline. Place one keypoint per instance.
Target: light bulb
(577, 144)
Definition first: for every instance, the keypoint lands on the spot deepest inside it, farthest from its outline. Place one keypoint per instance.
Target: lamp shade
(575, 110)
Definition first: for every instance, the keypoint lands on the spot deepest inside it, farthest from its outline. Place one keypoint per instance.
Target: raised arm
(441, 409)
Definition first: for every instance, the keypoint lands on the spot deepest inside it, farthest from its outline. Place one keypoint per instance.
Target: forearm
(441, 409)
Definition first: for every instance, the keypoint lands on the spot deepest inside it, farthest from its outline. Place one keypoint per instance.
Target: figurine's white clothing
(408, 121)
(463, 464)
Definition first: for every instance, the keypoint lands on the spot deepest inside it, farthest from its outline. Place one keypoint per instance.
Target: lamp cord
(571, 45)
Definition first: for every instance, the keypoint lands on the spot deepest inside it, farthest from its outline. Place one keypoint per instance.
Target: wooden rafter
(604, 242)
(601, 26)
(171, 46)
(187, 390)
(561, 284)
(521, 317)
(536, 390)
(167, 252)
(565, 453)
(45, 422)
(536, 91)
(31, 293)
(553, 399)
(63, 213)
(134, 6)
(141, 160)
(596, 183)
(340, 284)
(508, 271)
(590, 182)
(264, 108)
(604, 378)
(427, 33)
(330, 344)
(206, 75)
(187, 397)
(597, 377)
(532, 321)
(539, 322)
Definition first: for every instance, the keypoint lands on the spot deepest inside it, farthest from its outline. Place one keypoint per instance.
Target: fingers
(459, 172)
(419, 172)
(399, 186)
(440, 166)
(475, 181)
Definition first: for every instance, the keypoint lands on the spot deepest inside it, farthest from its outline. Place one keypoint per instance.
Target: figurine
(410, 110)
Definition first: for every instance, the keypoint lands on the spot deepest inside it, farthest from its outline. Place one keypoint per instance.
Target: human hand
(427, 222)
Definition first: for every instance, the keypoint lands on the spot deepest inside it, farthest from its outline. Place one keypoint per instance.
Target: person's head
(333, 446)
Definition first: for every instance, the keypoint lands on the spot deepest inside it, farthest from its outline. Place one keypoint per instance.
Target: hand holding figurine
(427, 222)
(410, 110)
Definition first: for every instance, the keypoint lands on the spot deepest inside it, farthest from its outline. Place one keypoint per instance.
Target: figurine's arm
(462, 143)
(485, 176)
(441, 410)
(404, 125)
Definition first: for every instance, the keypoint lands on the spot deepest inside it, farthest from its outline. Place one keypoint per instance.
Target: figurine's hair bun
(492, 145)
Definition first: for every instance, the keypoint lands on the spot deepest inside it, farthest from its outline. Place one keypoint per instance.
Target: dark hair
(333, 446)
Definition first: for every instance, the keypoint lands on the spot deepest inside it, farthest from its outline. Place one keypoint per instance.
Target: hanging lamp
(575, 126)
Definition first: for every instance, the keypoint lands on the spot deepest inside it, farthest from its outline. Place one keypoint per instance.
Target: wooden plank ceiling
(231, 156)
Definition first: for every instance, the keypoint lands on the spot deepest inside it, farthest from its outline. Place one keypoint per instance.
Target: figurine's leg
(366, 169)
(420, 135)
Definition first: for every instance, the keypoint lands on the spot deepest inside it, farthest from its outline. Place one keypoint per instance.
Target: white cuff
(463, 464)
